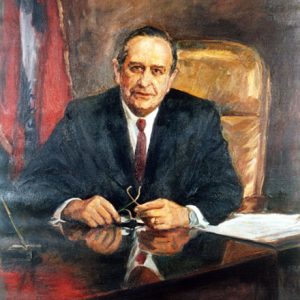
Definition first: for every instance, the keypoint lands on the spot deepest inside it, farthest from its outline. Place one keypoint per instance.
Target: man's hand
(163, 214)
(167, 242)
(104, 240)
(94, 211)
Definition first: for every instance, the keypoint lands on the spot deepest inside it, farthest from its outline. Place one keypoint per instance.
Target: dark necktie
(140, 151)
(141, 274)
(141, 258)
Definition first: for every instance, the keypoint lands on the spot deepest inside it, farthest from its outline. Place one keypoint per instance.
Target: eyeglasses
(133, 199)
(127, 220)
(126, 216)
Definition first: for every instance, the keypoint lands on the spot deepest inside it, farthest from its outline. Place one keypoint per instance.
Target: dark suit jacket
(89, 153)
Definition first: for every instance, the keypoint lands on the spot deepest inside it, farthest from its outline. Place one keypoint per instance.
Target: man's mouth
(141, 94)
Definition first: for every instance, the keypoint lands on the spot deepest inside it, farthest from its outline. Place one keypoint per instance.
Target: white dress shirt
(132, 128)
(133, 133)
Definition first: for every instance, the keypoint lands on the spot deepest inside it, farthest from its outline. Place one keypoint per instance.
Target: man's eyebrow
(135, 63)
(141, 64)
(158, 66)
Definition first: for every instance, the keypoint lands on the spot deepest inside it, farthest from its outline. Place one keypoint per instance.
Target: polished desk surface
(70, 261)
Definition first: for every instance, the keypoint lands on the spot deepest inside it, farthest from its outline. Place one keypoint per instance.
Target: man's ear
(172, 77)
(116, 70)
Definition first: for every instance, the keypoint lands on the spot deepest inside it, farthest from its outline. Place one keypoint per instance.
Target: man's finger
(100, 236)
(109, 238)
(97, 218)
(153, 222)
(111, 210)
(151, 213)
(89, 221)
(157, 221)
(146, 246)
(155, 204)
(101, 210)
(161, 226)
(161, 240)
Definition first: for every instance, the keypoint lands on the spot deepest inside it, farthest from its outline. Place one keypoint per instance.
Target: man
(138, 138)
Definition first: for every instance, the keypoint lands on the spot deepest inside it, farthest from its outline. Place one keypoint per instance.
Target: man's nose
(146, 78)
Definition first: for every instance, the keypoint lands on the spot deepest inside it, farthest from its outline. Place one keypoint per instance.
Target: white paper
(259, 227)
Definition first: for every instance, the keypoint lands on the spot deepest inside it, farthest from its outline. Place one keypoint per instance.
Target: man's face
(145, 76)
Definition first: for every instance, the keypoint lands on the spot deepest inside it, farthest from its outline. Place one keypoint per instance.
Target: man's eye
(136, 69)
(157, 71)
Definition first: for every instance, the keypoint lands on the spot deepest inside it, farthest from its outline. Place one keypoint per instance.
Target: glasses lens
(126, 216)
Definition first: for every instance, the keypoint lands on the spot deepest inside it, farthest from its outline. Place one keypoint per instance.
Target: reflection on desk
(74, 262)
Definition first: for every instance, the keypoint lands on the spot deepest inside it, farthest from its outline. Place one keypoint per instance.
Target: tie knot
(141, 124)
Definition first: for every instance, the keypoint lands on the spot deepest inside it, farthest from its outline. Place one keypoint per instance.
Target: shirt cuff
(56, 218)
(201, 221)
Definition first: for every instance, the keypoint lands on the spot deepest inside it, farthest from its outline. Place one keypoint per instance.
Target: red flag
(34, 84)
(53, 88)
(10, 53)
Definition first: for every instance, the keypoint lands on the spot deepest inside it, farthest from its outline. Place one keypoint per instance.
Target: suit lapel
(162, 148)
(118, 151)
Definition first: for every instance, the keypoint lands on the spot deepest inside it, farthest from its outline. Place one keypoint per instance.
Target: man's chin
(142, 111)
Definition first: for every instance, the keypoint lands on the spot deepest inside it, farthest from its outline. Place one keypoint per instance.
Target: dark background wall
(270, 26)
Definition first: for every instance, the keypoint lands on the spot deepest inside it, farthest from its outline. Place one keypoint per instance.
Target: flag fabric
(10, 53)
(34, 82)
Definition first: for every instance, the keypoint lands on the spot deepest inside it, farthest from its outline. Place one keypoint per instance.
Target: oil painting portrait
(149, 149)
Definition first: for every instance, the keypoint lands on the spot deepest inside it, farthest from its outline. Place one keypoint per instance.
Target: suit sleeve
(55, 174)
(220, 191)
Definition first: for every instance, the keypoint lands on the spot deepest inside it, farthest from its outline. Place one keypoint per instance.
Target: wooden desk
(84, 263)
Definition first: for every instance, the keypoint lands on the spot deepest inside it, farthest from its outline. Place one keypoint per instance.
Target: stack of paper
(266, 228)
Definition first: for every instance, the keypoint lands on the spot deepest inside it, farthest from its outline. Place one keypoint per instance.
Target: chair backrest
(236, 79)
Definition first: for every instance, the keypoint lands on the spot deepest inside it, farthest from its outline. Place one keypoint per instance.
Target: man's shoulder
(94, 103)
(183, 101)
